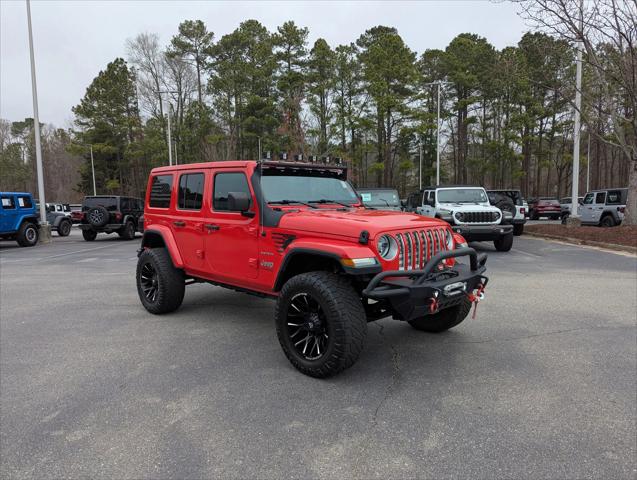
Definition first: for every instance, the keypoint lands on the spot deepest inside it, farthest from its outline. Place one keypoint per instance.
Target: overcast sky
(75, 40)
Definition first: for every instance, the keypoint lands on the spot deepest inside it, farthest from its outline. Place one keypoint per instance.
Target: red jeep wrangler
(298, 233)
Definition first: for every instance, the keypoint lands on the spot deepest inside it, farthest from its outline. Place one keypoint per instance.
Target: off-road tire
(504, 242)
(127, 232)
(607, 221)
(28, 234)
(344, 315)
(97, 216)
(443, 320)
(170, 282)
(89, 235)
(565, 218)
(64, 228)
(518, 229)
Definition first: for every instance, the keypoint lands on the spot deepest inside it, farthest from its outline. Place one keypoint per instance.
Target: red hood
(352, 222)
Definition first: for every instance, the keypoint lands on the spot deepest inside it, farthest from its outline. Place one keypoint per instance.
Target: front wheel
(518, 229)
(89, 235)
(443, 320)
(28, 235)
(320, 323)
(128, 231)
(504, 242)
(160, 285)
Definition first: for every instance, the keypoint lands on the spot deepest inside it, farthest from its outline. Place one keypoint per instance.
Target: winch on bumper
(416, 293)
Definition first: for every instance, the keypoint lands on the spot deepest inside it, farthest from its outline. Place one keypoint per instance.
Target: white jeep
(468, 211)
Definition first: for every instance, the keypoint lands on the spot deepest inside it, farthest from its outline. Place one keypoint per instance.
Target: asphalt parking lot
(540, 385)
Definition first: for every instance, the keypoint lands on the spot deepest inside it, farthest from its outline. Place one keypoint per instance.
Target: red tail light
(621, 209)
(522, 211)
(118, 216)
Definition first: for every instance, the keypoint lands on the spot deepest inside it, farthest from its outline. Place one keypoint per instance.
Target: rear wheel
(320, 323)
(160, 285)
(518, 229)
(89, 235)
(504, 242)
(443, 320)
(64, 228)
(28, 235)
(607, 221)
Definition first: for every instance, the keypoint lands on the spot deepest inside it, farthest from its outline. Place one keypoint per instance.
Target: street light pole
(45, 231)
(93, 171)
(588, 164)
(438, 139)
(170, 143)
(420, 162)
(576, 133)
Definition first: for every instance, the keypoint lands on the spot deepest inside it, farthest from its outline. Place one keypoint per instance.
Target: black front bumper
(415, 293)
(479, 233)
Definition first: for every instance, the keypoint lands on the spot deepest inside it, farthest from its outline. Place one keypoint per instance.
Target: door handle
(211, 226)
(179, 224)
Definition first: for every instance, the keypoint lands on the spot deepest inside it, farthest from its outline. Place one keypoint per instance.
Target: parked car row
(20, 217)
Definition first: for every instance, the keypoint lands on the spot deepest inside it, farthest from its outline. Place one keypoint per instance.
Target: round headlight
(460, 216)
(387, 247)
(449, 239)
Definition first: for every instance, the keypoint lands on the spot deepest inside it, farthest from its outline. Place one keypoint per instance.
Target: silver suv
(604, 207)
(469, 212)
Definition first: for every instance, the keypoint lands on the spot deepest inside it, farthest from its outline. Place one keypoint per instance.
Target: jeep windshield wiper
(326, 200)
(291, 202)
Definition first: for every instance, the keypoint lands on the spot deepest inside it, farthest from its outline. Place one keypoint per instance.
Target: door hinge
(253, 262)
(200, 253)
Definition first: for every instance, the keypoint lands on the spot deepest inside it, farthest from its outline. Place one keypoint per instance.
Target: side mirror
(403, 203)
(238, 201)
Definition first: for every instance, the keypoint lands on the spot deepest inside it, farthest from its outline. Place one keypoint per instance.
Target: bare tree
(145, 53)
(607, 29)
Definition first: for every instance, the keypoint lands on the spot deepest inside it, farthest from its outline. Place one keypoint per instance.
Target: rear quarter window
(161, 191)
(614, 197)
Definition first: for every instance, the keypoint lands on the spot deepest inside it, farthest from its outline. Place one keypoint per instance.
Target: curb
(590, 243)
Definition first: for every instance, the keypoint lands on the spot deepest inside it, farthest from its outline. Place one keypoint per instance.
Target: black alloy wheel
(307, 326)
(149, 281)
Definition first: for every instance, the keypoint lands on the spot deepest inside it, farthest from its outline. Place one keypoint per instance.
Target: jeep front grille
(416, 247)
(479, 217)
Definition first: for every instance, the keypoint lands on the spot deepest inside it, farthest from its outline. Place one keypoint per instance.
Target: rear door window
(25, 202)
(160, 191)
(191, 191)
(600, 197)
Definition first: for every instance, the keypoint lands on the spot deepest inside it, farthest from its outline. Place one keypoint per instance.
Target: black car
(110, 214)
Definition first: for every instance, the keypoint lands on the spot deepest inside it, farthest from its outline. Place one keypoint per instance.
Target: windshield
(300, 188)
(462, 195)
(380, 198)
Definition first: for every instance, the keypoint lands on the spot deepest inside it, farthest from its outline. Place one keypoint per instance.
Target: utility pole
(588, 164)
(93, 170)
(170, 150)
(45, 228)
(420, 162)
(438, 139)
(576, 133)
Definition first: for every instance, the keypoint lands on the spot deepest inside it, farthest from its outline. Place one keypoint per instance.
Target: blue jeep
(18, 218)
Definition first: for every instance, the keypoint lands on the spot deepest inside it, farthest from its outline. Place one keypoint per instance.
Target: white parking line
(60, 255)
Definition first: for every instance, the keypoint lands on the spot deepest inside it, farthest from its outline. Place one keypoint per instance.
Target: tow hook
(433, 306)
(476, 298)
